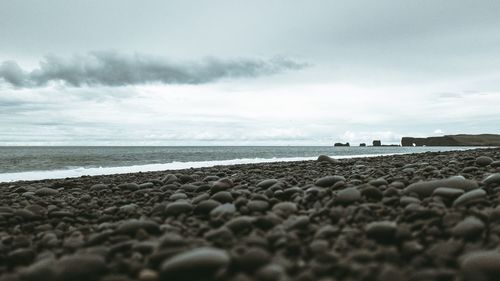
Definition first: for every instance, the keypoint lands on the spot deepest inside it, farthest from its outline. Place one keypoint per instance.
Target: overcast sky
(231, 72)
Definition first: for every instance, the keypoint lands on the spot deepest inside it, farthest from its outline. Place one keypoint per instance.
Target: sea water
(45, 162)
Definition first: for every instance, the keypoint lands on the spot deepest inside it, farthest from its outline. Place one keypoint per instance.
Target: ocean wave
(87, 171)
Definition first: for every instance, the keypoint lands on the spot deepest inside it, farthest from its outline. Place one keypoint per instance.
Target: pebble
(285, 209)
(178, 207)
(250, 259)
(223, 197)
(492, 179)
(80, 268)
(372, 193)
(447, 192)
(327, 159)
(21, 256)
(469, 228)
(206, 206)
(131, 227)
(129, 186)
(481, 266)
(221, 185)
(426, 188)
(146, 185)
(46, 191)
(258, 205)
(178, 196)
(328, 181)
(382, 231)
(483, 161)
(223, 211)
(148, 275)
(267, 183)
(271, 272)
(41, 270)
(99, 187)
(406, 200)
(348, 195)
(240, 223)
(378, 182)
(469, 197)
(196, 264)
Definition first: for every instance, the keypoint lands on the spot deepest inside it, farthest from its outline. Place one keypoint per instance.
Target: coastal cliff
(454, 140)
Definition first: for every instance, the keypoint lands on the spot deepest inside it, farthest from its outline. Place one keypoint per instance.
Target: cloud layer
(110, 68)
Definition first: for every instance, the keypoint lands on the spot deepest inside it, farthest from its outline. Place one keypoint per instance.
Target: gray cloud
(110, 68)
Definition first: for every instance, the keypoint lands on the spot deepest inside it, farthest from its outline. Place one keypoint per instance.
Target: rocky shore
(428, 216)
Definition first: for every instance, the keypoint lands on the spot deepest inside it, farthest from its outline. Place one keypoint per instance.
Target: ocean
(47, 162)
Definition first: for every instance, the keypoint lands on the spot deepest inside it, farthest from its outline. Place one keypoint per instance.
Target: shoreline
(103, 171)
(76, 172)
(305, 220)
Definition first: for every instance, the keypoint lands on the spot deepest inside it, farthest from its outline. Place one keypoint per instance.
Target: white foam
(78, 172)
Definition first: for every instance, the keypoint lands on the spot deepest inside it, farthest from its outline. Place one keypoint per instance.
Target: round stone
(148, 275)
(178, 207)
(80, 267)
(382, 231)
(129, 186)
(223, 211)
(197, 264)
(285, 208)
(131, 227)
(469, 197)
(21, 256)
(267, 183)
(328, 181)
(483, 161)
(240, 223)
(447, 192)
(348, 195)
(492, 179)
(250, 259)
(406, 200)
(223, 197)
(425, 189)
(258, 205)
(204, 207)
(469, 228)
(221, 185)
(98, 187)
(372, 193)
(482, 265)
(327, 159)
(45, 191)
(178, 196)
(378, 182)
(40, 270)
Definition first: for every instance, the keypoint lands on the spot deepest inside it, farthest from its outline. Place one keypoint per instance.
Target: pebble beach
(426, 216)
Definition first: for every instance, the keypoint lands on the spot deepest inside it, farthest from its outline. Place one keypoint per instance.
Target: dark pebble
(483, 161)
(348, 195)
(481, 266)
(382, 231)
(469, 228)
(328, 181)
(197, 264)
(469, 197)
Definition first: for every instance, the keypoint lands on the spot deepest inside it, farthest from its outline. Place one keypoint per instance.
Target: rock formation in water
(341, 144)
(454, 140)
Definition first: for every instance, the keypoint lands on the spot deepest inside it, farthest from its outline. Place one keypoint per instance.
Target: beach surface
(425, 216)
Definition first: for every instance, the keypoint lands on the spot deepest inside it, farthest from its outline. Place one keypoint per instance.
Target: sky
(232, 72)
